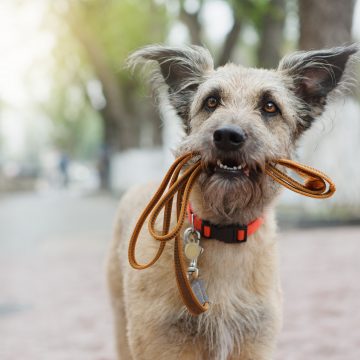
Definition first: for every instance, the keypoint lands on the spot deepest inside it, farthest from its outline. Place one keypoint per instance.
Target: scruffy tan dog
(237, 119)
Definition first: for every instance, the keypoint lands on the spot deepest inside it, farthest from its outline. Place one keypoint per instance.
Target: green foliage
(76, 127)
(93, 38)
(252, 11)
(121, 25)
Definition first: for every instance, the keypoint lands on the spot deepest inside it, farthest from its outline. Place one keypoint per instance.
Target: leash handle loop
(316, 184)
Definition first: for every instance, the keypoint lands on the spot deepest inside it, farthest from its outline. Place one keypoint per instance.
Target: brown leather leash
(316, 185)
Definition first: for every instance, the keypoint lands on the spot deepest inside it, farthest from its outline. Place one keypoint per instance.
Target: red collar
(230, 234)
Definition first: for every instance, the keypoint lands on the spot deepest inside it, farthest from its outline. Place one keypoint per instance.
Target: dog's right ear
(315, 75)
(183, 69)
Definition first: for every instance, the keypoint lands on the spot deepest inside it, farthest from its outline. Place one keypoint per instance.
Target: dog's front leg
(149, 345)
(262, 344)
(257, 351)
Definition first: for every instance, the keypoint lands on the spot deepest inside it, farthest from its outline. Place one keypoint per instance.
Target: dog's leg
(115, 282)
(153, 328)
(261, 346)
(257, 352)
(147, 345)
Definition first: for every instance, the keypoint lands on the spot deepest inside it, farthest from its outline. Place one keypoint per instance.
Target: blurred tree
(74, 125)
(267, 17)
(192, 21)
(271, 30)
(325, 23)
(107, 31)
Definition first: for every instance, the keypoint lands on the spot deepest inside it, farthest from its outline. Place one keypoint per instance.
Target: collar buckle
(227, 234)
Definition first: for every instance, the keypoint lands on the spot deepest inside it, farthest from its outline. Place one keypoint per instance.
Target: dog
(237, 119)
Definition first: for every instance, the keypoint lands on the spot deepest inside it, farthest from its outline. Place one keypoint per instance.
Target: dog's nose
(229, 138)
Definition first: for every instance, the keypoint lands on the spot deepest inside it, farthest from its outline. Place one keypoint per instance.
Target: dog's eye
(211, 103)
(270, 108)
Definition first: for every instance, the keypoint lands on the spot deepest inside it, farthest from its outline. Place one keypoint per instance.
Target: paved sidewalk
(320, 273)
(53, 301)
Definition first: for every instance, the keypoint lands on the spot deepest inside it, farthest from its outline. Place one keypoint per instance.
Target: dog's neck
(224, 212)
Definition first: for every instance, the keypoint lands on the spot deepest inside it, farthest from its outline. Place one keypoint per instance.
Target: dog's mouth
(231, 167)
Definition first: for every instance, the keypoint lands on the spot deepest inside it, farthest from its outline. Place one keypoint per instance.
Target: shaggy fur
(242, 279)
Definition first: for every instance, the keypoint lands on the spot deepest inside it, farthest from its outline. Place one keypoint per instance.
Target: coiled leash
(192, 290)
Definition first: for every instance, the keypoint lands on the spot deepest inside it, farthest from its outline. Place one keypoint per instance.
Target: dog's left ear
(182, 69)
(314, 75)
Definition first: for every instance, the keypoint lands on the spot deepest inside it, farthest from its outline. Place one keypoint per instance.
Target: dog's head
(239, 118)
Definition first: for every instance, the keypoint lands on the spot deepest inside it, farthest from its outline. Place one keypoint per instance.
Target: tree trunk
(230, 42)
(328, 23)
(192, 23)
(325, 23)
(123, 118)
(271, 35)
(118, 128)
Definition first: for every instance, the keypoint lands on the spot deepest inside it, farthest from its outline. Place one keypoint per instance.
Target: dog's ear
(182, 69)
(315, 74)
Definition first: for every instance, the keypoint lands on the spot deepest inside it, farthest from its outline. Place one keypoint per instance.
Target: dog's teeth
(230, 168)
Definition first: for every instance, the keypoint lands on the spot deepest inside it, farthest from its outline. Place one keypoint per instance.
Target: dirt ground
(53, 301)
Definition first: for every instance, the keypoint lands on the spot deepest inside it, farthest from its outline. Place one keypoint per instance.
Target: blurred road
(53, 301)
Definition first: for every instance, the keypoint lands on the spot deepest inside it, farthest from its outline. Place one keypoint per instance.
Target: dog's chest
(237, 313)
(225, 328)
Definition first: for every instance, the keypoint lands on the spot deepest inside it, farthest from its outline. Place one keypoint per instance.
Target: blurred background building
(76, 128)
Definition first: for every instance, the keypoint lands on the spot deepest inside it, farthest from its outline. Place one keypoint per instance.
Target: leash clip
(192, 251)
(192, 222)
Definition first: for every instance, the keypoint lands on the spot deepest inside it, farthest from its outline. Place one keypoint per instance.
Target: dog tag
(198, 288)
(192, 250)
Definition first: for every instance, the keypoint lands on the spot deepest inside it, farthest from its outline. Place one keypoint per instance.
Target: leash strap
(182, 187)
(316, 185)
